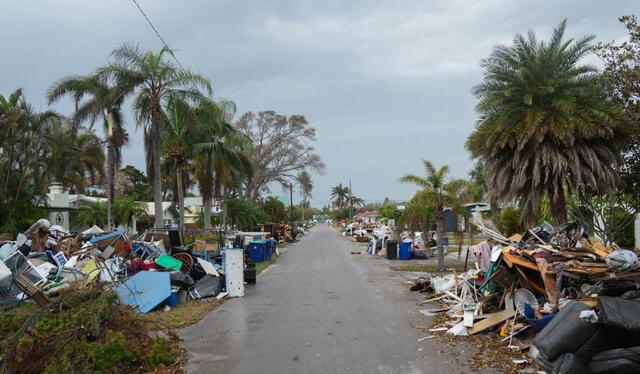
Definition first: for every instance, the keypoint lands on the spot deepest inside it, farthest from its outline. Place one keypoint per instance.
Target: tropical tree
(356, 201)
(274, 209)
(340, 195)
(76, 159)
(440, 192)
(306, 186)
(243, 213)
(418, 214)
(156, 80)
(544, 123)
(92, 214)
(181, 132)
(99, 99)
(126, 208)
(24, 152)
(220, 160)
(622, 78)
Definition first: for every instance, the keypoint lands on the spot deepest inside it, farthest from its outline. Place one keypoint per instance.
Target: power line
(158, 34)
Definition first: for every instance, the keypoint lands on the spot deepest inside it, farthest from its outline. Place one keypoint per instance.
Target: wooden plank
(511, 260)
(490, 320)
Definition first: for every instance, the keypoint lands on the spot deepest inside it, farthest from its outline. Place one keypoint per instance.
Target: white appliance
(233, 263)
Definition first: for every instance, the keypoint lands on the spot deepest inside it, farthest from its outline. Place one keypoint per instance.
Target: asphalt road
(319, 309)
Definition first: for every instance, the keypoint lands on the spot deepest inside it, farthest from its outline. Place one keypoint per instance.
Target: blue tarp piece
(107, 236)
(145, 290)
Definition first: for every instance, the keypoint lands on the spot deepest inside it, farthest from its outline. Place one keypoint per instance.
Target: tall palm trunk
(155, 156)
(224, 209)
(558, 204)
(206, 206)
(180, 191)
(111, 160)
(440, 231)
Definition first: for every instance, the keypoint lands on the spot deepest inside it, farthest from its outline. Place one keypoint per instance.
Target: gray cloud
(384, 82)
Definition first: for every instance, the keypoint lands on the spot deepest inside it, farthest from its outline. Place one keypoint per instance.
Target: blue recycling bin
(268, 244)
(404, 251)
(256, 250)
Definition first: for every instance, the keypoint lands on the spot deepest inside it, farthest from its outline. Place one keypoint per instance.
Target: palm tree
(306, 186)
(340, 195)
(24, 151)
(75, 159)
(179, 135)
(356, 201)
(220, 160)
(439, 191)
(544, 123)
(97, 98)
(126, 208)
(92, 214)
(156, 80)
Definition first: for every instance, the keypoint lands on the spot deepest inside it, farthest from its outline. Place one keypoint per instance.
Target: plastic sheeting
(622, 260)
(620, 313)
(565, 333)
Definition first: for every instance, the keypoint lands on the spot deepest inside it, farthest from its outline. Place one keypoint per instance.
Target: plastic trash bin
(267, 250)
(404, 250)
(392, 249)
(256, 250)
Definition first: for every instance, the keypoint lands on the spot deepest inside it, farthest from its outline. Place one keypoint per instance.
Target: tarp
(111, 235)
(93, 230)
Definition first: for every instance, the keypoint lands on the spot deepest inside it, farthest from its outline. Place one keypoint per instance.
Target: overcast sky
(385, 83)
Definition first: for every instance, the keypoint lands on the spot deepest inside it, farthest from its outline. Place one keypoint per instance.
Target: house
(369, 217)
(193, 208)
(60, 206)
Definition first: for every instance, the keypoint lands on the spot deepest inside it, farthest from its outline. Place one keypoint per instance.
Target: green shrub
(510, 222)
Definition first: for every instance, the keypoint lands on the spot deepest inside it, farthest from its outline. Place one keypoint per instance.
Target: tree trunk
(111, 161)
(440, 231)
(110, 185)
(180, 191)
(206, 206)
(157, 184)
(224, 209)
(558, 204)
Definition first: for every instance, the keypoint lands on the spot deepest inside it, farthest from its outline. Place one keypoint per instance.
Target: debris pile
(148, 271)
(567, 298)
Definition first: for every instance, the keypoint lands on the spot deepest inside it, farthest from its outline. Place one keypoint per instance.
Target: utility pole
(291, 207)
(350, 203)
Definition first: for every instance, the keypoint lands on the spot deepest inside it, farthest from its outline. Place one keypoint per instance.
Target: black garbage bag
(616, 361)
(180, 279)
(566, 333)
(567, 363)
(621, 313)
(197, 272)
(208, 286)
(605, 338)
